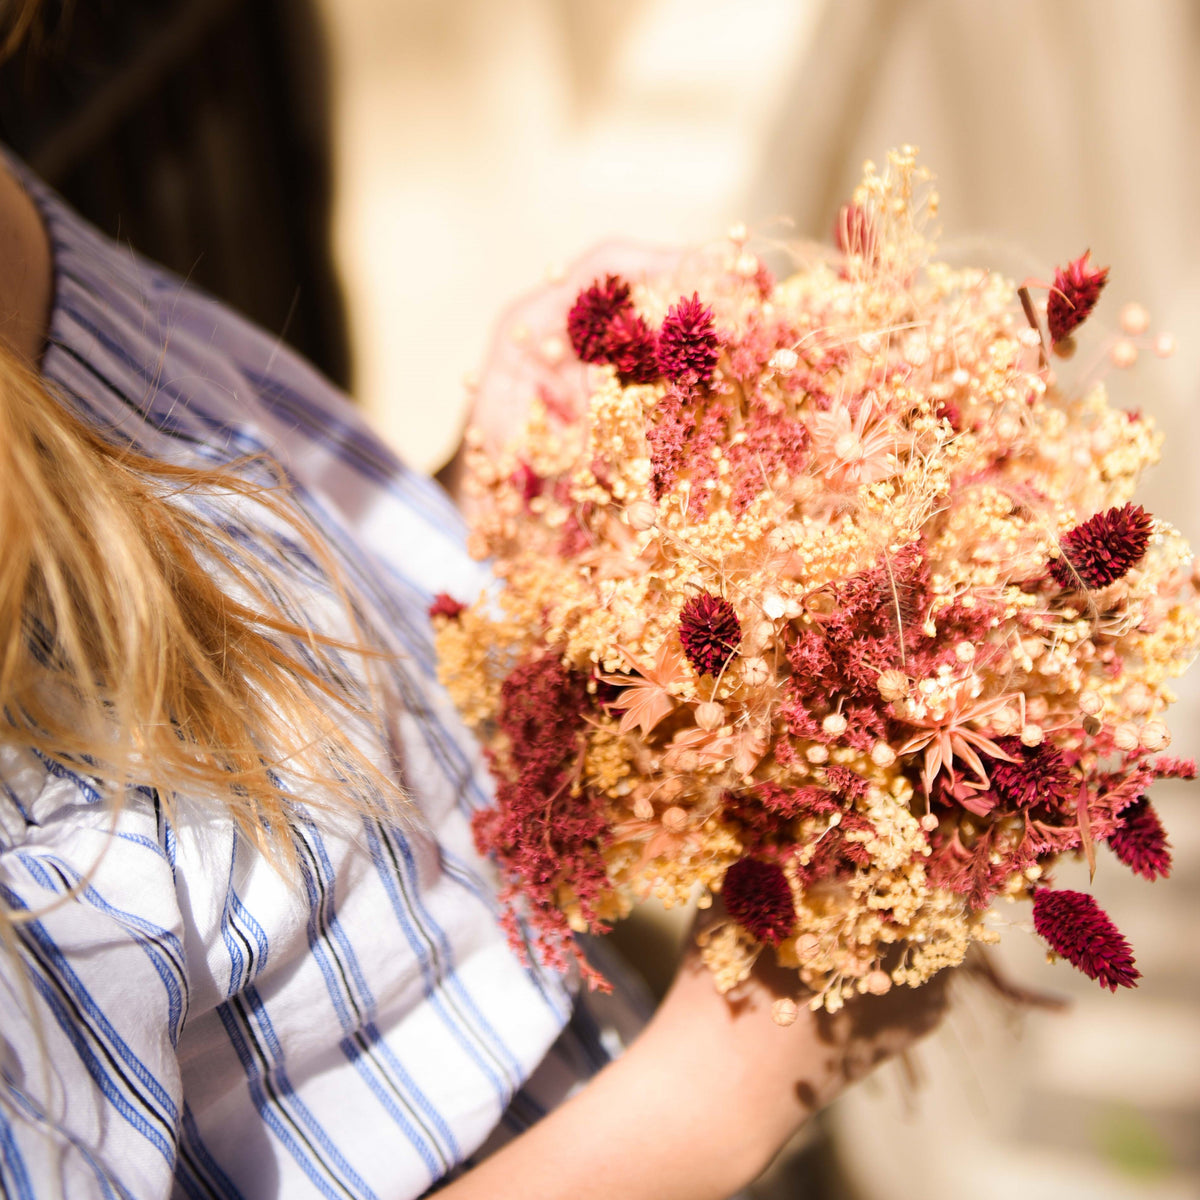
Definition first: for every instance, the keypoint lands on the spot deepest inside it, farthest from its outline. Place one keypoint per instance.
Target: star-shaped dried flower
(645, 696)
(1079, 930)
(953, 736)
(1103, 548)
(758, 898)
(1077, 287)
(687, 343)
(591, 315)
(710, 632)
(632, 348)
(1140, 841)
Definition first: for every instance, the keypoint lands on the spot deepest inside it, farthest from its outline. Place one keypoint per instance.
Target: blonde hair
(140, 646)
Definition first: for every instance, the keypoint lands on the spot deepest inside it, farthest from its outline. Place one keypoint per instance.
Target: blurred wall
(479, 142)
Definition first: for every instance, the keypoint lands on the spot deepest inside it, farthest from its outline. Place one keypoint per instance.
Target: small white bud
(882, 755)
(879, 982)
(1135, 320)
(746, 265)
(675, 819)
(755, 671)
(834, 724)
(1005, 722)
(1125, 736)
(783, 1011)
(710, 715)
(1032, 735)
(641, 515)
(1123, 354)
(774, 605)
(1155, 736)
(892, 684)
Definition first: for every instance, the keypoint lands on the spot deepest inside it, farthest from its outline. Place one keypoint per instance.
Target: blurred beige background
(478, 142)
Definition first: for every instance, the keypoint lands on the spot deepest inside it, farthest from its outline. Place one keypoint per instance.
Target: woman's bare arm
(705, 1097)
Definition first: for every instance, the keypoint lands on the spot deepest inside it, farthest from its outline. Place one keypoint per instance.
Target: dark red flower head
(1140, 841)
(687, 343)
(592, 313)
(1078, 929)
(1040, 775)
(1077, 287)
(445, 605)
(758, 898)
(1103, 548)
(632, 348)
(710, 632)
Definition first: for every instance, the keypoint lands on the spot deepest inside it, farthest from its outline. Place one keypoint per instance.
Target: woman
(249, 948)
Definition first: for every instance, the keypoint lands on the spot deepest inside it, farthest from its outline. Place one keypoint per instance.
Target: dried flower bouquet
(829, 596)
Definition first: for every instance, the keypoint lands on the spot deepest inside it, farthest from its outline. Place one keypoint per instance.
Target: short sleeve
(93, 988)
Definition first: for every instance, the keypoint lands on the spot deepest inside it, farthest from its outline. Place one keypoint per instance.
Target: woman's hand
(775, 1077)
(530, 355)
(703, 1100)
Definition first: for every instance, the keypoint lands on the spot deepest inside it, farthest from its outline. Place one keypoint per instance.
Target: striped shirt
(177, 1018)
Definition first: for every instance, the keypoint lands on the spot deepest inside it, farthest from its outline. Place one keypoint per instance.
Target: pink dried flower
(1102, 548)
(687, 343)
(1077, 929)
(773, 442)
(846, 783)
(592, 313)
(759, 899)
(1140, 841)
(668, 439)
(544, 832)
(834, 855)
(631, 347)
(1039, 775)
(1076, 289)
(853, 231)
(710, 632)
(1167, 766)
(527, 481)
(445, 605)
(975, 866)
(807, 800)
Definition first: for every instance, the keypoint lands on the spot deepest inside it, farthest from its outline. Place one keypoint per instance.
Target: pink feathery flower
(445, 605)
(631, 347)
(1078, 929)
(1140, 841)
(1077, 287)
(1039, 774)
(1103, 547)
(592, 314)
(687, 343)
(710, 632)
(759, 899)
(1167, 766)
